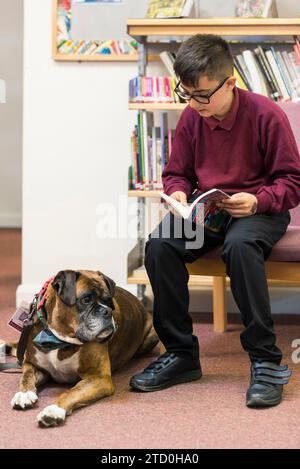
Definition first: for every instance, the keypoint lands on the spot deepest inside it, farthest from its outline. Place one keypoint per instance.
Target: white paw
(24, 400)
(51, 416)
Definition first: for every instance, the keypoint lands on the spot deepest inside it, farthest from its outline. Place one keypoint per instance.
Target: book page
(208, 198)
(213, 195)
(183, 210)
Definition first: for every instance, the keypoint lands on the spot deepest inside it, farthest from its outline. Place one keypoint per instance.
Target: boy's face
(220, 101)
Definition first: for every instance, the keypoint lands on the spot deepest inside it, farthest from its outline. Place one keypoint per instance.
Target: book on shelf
(239, 79)
(297, 48)
(152, 89)
(278, 75)
(168, 60)
(267, 73)
(151, 147)
(207, 200)
(257, 79)
(256, 9)
(169, 8)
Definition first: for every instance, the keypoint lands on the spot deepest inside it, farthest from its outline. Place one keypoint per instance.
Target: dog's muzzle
(106, 334)
(99, 326)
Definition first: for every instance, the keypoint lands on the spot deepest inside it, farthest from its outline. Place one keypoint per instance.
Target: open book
(190, 211)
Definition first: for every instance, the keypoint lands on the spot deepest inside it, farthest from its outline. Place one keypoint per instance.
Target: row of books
(273, 73)
(147, 89)
(151, 147)
(84, 47)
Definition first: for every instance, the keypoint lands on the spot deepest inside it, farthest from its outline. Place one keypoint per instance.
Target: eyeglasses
(200, 98)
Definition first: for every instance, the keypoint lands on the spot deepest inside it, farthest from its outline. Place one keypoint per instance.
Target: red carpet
(209, 413)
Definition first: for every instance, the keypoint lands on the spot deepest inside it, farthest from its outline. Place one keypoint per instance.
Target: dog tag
(20, 315)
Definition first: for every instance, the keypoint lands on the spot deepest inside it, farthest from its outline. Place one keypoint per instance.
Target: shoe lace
(161, 362)
(269, 373)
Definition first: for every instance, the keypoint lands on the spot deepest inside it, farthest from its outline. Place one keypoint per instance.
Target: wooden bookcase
(142, 30)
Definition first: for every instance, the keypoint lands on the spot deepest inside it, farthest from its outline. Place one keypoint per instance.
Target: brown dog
(100, 326)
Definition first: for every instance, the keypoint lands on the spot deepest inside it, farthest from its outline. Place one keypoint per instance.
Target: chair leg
(219, 304)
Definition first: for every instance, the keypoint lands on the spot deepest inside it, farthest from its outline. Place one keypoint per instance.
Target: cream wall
(11, 71)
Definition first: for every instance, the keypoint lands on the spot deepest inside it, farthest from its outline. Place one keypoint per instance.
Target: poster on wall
(83, 30)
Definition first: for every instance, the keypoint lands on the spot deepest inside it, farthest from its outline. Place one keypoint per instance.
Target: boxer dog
(96, 327)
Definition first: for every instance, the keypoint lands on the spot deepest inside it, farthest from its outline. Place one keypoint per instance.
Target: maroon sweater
(252, 150)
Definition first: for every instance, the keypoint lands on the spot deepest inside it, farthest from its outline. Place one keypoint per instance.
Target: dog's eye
(86, 300)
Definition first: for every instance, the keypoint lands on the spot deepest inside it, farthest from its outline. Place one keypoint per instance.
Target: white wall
(76, 156)
(11, 70)
(76, 153)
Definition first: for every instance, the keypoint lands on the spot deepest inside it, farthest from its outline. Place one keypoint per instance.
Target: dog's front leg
(27, 397)
(91, 388)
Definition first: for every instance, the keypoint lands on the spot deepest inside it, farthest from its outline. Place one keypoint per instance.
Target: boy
(242, 143)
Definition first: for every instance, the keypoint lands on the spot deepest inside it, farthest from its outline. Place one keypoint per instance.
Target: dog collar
(39, 304)
(41, 296)
(47, 340)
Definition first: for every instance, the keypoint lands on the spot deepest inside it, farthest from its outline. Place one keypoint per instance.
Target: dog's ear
(111, 285)
(65, 285)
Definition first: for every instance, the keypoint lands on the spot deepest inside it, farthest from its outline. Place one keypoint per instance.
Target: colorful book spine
(150, 149)
(148, 89)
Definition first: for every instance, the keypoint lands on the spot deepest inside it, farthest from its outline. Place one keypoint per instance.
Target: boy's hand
(180, 197)
(239, 205)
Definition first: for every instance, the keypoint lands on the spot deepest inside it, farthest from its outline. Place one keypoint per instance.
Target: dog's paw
(51, 416)
(24, 400)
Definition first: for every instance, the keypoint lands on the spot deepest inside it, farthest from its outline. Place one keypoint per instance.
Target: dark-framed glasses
(196, 95)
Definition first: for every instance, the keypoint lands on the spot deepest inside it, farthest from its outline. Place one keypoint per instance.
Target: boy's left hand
(239, 205)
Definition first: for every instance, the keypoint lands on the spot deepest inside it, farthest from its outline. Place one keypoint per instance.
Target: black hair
(203, 55)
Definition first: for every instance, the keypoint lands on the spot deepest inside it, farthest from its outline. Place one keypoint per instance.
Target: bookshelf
(141, 29)
(157, 106)
(139, 193)
(145, 31)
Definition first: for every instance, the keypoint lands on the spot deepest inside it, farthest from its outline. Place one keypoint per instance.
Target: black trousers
(247, 243)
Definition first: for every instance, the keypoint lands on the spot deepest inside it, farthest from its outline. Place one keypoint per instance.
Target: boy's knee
(238, 245)
(155, 246)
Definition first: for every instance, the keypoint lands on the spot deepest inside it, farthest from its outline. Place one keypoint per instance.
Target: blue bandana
(47, 340)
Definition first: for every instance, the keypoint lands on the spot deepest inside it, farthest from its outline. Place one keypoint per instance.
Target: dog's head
(80, 305)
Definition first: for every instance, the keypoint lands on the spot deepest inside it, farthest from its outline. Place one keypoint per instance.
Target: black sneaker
(167, 370)
(266, 387)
